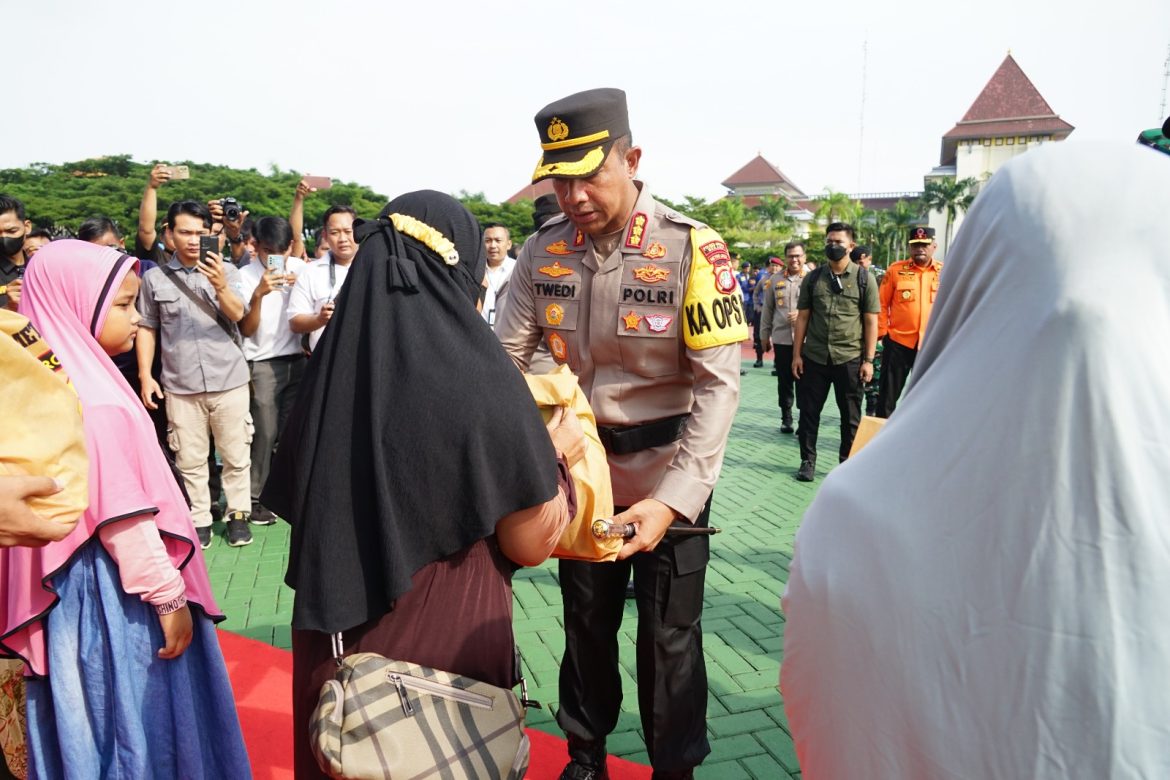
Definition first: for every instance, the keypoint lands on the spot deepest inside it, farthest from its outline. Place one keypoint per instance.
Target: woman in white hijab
(984, 592)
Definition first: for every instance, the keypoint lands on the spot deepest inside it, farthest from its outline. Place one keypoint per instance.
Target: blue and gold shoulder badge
(713, 306)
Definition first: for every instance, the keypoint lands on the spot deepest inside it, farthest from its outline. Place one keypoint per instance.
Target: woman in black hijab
(415, 469)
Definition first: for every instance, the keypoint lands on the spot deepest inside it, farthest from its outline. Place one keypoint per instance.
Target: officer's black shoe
(758, 364)
(774, 373)
(786, 426)
(588, 760)
(808, 470)
(579, 771)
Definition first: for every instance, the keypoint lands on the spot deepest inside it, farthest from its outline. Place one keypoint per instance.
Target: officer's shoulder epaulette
(682, 219)
(552, 222)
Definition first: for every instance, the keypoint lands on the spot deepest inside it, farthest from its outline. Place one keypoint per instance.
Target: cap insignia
(557, 130)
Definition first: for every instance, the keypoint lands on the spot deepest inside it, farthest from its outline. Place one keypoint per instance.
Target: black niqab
(413, 432)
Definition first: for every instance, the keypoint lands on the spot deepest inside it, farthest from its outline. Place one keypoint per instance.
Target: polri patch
(555, 270)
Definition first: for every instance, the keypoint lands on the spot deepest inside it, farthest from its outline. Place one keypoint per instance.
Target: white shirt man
(272, 338)
(496, 241)
(311, 303)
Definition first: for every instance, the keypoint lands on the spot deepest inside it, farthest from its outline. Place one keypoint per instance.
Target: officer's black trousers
(785, 382)
(897, 361)
(813, 391)
(672, 677)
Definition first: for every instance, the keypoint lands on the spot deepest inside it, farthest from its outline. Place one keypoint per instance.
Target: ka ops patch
(712, 317)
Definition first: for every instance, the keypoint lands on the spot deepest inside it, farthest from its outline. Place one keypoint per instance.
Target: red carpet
(262, 680)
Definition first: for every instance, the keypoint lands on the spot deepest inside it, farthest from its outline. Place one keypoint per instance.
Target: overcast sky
(436, 94)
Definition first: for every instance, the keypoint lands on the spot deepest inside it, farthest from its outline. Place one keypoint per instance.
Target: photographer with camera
(190, 306)
(227, 221)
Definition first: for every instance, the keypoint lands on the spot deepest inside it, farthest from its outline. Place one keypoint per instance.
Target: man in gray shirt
(190, 307)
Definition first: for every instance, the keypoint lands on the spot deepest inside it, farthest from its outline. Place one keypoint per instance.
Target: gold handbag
(590, 474)
(380, 718)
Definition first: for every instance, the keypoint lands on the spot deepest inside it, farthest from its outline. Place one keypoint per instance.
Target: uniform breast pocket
(168, 304)
(649, 341)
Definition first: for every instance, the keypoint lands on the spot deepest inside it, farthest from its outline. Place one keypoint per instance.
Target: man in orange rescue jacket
(906, 296)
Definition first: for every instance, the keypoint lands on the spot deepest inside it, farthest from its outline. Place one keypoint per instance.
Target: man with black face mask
(13, 228)
(833, 344)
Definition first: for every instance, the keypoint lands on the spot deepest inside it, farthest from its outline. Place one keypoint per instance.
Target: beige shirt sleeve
(769, 310)
(688, 482)
(516, 323)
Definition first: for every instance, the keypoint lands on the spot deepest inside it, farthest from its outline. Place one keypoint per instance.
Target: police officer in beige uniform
(642, 304)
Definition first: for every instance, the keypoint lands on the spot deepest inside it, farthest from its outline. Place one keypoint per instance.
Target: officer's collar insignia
(654, 251)
(637, 231)
(554, 313)
(559, 248)
(632, 320)
(558, 347)
(556, 269)
(557, 130)
(579, 238)
(658, 323)
(651, 273)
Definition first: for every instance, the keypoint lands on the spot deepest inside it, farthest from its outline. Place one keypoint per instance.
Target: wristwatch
(867, 360)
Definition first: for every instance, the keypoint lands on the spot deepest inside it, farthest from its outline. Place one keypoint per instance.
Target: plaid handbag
(380, 718)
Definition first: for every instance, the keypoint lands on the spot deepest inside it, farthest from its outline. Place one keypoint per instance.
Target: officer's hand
(866, 373)
(18, 523)
(652, 517)
(797, 366)
(766, 344)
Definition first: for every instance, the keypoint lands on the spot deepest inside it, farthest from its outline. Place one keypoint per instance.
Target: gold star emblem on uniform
(554, 313)
(557, 130)
(632, 320)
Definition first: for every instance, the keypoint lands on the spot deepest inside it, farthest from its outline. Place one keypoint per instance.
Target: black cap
(921, 235)
(577, 132)
(544, 208)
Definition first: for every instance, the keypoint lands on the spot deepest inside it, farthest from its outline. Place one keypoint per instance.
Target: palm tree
(729, 215)
(771, 214)
(950, 196)
(903, 216)
(837, 207)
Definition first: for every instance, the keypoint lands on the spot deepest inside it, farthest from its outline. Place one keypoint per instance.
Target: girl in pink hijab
(115, 621)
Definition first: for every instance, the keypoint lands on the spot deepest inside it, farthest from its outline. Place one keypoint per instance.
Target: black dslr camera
(231, 209)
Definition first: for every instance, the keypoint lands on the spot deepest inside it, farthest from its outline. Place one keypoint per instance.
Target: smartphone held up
(208, 245)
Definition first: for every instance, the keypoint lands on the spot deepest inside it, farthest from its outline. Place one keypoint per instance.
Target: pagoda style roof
(761, 173)
(1009, 105)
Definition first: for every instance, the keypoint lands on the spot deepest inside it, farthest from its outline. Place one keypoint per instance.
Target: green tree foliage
(517, 217)
(61, 197)
(835, 206)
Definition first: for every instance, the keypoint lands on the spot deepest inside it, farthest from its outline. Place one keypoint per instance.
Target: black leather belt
(622, 440)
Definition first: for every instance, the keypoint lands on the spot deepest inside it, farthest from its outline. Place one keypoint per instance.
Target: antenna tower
(861, 115)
